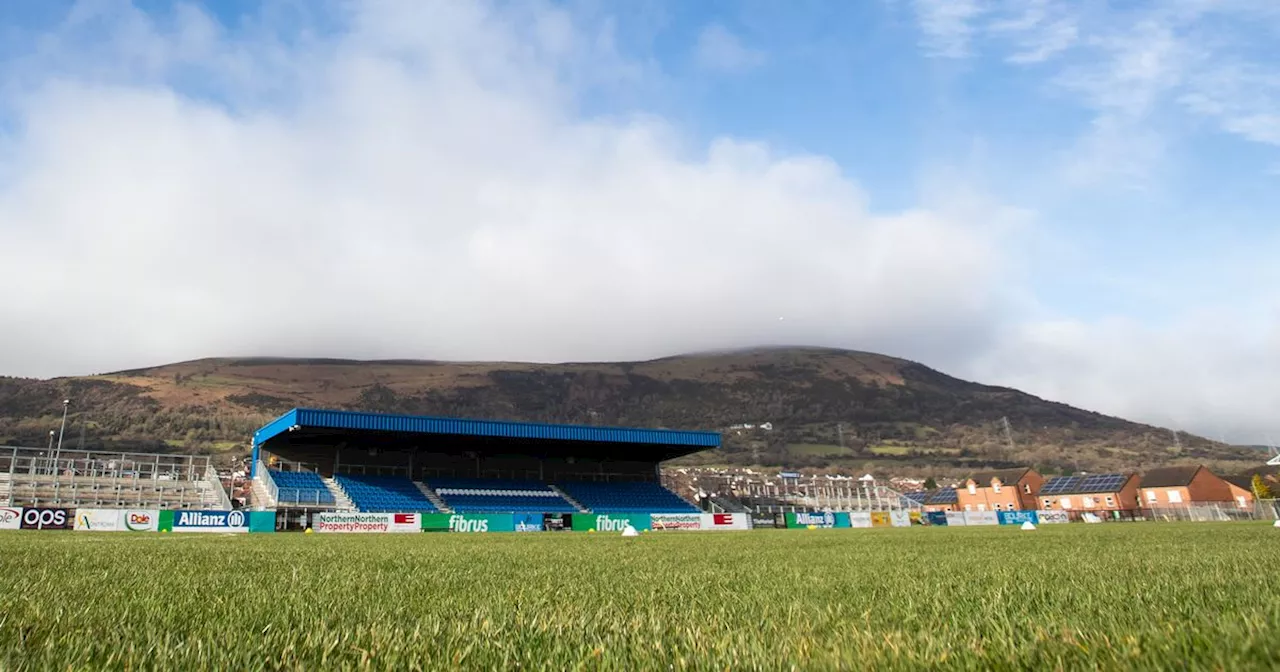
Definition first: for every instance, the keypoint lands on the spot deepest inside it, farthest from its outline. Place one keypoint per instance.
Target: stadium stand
(491, 495)
(621, 497)
(32, 477)
(300, 488)
(385, 494)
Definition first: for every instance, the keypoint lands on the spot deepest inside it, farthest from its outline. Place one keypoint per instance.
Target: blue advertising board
(528, 522)
(210, 521)
(842, 519)
(1018, 517)
(936, 517)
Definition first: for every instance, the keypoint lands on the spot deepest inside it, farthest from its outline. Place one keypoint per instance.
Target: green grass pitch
(1113, 596)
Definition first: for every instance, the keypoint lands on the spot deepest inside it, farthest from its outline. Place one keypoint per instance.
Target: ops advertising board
(365, 523)
(955, 519)
(210, 521)
(899, 518)
(860, 519)
(10, 518)
(48, 519)
(675, 521)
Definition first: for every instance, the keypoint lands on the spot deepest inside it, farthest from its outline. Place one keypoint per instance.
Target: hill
(818, 407)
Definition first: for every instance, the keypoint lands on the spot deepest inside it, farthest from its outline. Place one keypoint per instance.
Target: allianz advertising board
(210, 521)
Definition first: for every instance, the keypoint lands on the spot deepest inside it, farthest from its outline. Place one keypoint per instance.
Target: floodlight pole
(66, 403)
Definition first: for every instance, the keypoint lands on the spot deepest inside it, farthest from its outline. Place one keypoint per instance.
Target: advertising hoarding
(936, 517)
(527, 522)
(1052, 517)
(900, 518)
(210, 521)
(955, 518)
(880, 519)
(725, 521)
(823, 519)
(1017, 517)
(675, 521)
(10, 518)
(365, 523)
(48, 519)
(98, 520)
(860, 519)
(981, 518)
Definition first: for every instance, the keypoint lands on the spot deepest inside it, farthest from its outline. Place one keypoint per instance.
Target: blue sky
(1075, 198)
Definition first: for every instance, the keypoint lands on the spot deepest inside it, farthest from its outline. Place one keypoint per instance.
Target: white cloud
(719, 50)
(419, 186)
(948, 25)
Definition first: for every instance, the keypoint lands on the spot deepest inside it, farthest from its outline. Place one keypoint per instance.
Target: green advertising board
(609, 522)
(166, 521)
(262, 521)
(468, 522)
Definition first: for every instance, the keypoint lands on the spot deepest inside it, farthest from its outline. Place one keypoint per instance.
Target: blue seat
(626, 496)
(300, 487)
(384, 494)
(493, 495)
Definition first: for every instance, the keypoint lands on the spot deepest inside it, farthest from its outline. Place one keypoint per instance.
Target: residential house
(1179, 486)
(1001, 490)
(941, 499)
(1092, 492)
(1241, 490)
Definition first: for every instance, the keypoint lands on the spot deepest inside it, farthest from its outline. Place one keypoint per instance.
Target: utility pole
(1177, 442)
(840, 433)
(66, 403)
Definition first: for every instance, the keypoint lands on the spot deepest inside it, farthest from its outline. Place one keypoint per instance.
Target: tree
(1260, 488)
(930, 484)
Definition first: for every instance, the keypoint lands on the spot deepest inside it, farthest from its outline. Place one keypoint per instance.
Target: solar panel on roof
(1060, 484)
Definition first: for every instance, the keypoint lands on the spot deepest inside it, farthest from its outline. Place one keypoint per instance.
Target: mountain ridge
(828, 408)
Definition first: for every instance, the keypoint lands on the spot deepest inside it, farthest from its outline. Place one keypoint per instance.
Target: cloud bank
(421, 180)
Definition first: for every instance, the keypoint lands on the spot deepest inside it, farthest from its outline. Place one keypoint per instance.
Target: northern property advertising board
(676, 521)
(366, 523)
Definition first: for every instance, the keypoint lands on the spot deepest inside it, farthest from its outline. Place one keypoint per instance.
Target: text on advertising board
(10, 519)
(47, 519)
(209, 519)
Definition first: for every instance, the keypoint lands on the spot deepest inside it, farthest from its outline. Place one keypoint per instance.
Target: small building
(1093, 492)
(1179, 486)
(1241, 490)
(941, 499)
(1001, 490)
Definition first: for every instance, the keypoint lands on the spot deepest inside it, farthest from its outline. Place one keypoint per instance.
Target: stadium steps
(259, 496)
(341, 501)
(6, 490)
(433, 497)
(576, 504)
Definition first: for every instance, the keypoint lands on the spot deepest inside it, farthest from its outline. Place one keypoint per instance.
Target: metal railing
(215, 482)
(262, 476)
